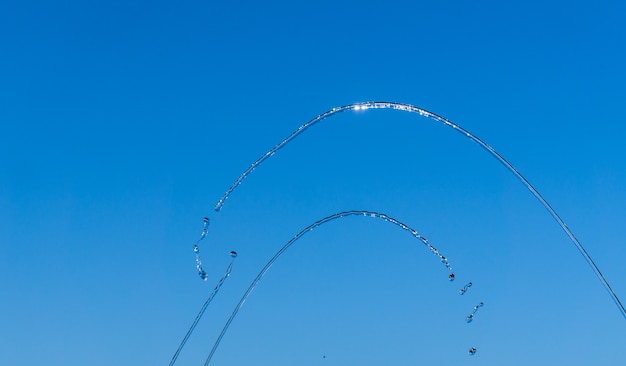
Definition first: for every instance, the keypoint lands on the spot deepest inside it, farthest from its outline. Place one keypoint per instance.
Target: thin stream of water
(436, 118)
(217, 287)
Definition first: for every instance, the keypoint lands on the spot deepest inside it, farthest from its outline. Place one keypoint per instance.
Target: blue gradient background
(122, 123)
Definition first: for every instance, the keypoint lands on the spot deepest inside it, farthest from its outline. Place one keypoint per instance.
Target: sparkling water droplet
(451, 276)
(196, 249)
(233, 254)
(472, 351)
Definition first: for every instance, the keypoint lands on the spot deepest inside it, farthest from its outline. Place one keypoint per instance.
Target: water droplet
(472, 351)
(451, 276)
(233, 254)
(465, 288)
(470, 317)
(196, 249)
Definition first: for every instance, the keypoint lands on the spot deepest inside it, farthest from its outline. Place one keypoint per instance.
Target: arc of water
(217, 287)
(440, 119)
(372, 214)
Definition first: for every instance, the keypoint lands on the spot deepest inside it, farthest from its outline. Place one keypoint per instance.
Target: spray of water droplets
(217, 287)
(267, 266)
(432, 116)
(470, 317)
(196, 249)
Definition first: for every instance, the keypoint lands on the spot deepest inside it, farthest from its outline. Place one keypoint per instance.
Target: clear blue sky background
(123, 122)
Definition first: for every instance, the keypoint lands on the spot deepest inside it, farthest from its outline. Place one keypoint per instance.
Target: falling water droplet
(204, 276)
(205, 226)
(470, 317)
(472, 351)
(465, 288)
(205, 230)
(451, 276)
(233, 254)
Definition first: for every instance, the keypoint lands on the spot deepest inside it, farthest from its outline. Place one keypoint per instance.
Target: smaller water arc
(362, 213)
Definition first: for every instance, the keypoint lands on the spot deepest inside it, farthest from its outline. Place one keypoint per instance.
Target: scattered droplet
(451, 276)
(203, 276)
(470, 317)
(233, 254)
(465, 288)
(472, 351)
(205, 228)
(196, 249)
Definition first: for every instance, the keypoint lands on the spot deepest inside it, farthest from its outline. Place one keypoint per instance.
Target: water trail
(436, 118)
(203, 308)
(465, 288)
(196, 249)
(298, 236)
(470, 317)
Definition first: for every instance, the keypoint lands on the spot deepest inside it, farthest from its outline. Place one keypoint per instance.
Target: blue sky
(122, 123)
